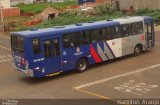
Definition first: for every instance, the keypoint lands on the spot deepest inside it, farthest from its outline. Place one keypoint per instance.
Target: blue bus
(51, 51)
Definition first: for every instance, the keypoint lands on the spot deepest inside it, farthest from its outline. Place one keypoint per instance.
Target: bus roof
(57, 31)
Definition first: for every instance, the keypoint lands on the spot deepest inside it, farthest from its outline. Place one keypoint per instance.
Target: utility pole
(2, 17)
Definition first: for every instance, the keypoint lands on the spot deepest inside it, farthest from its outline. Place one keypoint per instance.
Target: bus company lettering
(78, 51)
(64, 53)
(38, 60)
(115, 42)
(124, 40)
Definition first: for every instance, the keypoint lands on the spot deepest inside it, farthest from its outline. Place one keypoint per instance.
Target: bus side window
(78, 38)
(125, 30)
(36, 46)
(68, 40)
(107, 33)
(85, 37)
(137, 28)
(94, 36)
(73, 39)
(117, 32)
(104, 34)
(56, 47)
(47, 49)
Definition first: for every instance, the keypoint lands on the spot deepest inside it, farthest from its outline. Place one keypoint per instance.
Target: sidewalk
(157, 27)
(4, 34)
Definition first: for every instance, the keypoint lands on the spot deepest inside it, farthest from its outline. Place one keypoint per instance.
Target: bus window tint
(107, 33)
(137, 28)
(56, 48)
(72, 39)
(78, 38)
(47, 49)
(36, 46)
(94, 36)
(17, 43)
(86, 37)
(68, 40)
(125, 30)
(117, 32)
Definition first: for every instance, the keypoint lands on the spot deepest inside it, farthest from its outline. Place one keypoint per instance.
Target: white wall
(139, 4)
(5, 3)
(15, 2)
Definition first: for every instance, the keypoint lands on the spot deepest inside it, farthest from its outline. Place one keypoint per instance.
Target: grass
(66, 20)
(39, 7)
(145, 12)
(75, 16)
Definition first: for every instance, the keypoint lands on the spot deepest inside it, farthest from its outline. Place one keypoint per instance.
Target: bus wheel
(138, 50)
(81, 65)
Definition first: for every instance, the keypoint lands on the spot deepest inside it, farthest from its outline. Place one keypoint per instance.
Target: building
(4, 3)
(139, 4)
(15, 2)
(6, 10)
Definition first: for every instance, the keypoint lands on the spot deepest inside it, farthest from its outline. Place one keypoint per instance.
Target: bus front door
(52, 55)
(149, 35)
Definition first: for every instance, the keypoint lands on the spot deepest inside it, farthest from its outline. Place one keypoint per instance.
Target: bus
(51, 51)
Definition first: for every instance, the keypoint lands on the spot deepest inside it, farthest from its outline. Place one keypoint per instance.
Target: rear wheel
(81, 65)
(138, 50)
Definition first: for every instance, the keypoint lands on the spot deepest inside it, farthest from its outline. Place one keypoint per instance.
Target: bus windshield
(17, 43)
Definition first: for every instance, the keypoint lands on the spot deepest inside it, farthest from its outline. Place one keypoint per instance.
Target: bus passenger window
(56, 48)
(68, 40)
(94, 36)
(72, 39)
(117, 32)
(137, 28)
(85, 37)
(47, 49)
(108, 33)
(36, 46)
(125, 30)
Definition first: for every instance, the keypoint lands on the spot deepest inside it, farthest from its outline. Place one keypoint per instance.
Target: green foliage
(142, 11)
(103, 9)
(101, 12)
(69, 13)
(145, 12)
(66, 19)
(39, 7)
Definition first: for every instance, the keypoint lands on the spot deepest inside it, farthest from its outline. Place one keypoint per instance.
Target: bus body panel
(129, 43)
(116, 47)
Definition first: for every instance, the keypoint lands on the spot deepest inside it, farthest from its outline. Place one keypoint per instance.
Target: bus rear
(19, 54)
(35, 56)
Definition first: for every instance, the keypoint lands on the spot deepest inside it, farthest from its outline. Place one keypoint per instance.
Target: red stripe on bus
(95, 54)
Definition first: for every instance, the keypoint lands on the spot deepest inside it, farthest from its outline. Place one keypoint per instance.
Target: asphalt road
(126, 77)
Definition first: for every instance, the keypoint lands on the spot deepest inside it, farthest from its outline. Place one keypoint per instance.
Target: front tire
(137, 50)
(81, 65)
